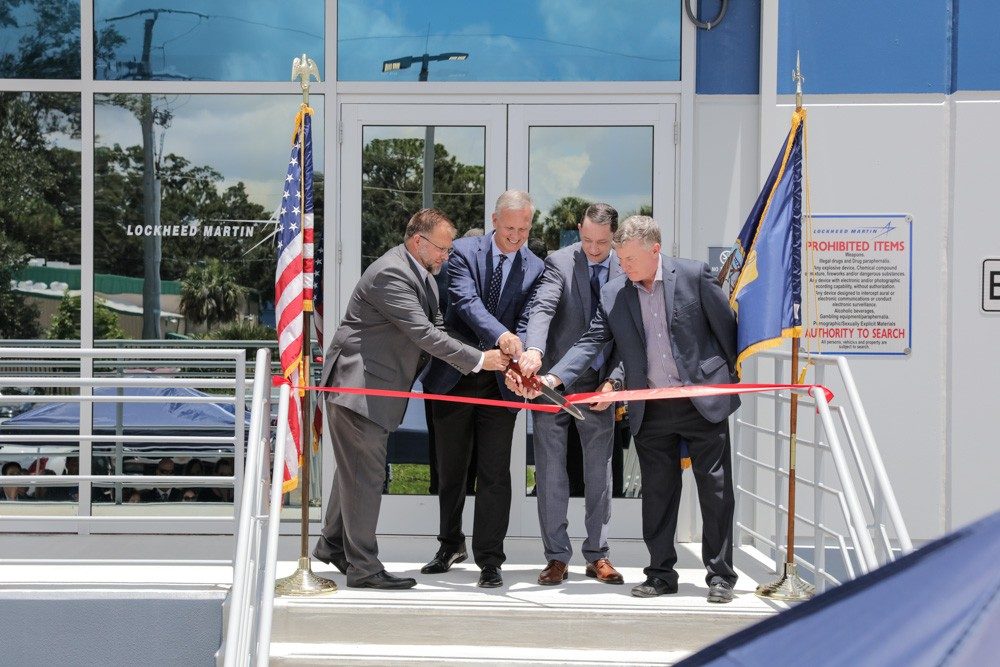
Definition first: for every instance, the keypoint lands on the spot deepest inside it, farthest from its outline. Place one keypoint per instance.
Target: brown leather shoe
(602, 570)
(554, 573)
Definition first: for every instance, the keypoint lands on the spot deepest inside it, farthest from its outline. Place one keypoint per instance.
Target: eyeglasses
(446, 251)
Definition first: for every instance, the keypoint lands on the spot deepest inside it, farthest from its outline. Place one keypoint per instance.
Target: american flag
(293, 282)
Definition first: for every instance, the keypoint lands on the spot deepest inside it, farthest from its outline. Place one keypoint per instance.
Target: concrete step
(447, 619)
(370, 655)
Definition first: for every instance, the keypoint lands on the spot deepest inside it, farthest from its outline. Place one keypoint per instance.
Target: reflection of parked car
(8, 410)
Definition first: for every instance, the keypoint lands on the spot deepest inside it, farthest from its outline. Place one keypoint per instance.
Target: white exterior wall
(930, 156)
(974, 362)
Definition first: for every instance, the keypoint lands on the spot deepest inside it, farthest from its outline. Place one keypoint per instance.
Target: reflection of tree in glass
(191, 196)
(66, 321)
(565, 214)
(49, 47)
(391, 191)
(210, 294)
(39, 194)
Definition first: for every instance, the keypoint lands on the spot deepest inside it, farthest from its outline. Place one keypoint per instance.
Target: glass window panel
(213, 230)
(570, 168)
(393, 188)
(521, 40)
(224, 40)
(40, 39)
(39, 215)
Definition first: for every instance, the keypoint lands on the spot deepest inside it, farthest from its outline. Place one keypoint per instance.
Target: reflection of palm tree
(210, 293)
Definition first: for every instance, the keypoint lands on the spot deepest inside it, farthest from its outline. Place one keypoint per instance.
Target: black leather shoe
(443, 560)
(339, 562)
(385, 581)
(653, 587)
(720, 591)
(490, 577)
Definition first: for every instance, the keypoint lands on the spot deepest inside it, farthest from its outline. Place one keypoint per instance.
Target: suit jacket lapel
(581, 280)
(632, 301)
(482, 256)
(669, 282)
(616, 267)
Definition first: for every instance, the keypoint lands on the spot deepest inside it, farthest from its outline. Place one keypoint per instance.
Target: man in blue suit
(671, 325)
(490, 280)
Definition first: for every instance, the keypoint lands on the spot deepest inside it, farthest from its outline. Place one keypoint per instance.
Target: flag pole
(303, 581)
(790, 586)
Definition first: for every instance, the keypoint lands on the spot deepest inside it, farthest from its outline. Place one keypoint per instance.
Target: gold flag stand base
(789, 587)
(304, 582)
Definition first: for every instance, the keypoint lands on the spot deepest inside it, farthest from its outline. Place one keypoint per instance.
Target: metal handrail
(253, 579)
(85, 439)
(858, 468)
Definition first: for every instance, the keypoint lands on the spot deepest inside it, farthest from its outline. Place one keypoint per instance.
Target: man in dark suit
(671, 325)
(490, 279)
(562, 308)
(391, 329)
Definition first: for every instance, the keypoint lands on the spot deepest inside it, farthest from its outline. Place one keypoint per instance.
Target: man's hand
(530, 361)
(514, 383)
(603, 389)
(495, 360)
(510, 345)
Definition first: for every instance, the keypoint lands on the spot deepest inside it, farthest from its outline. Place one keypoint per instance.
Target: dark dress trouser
(359, 448)
(664, 424)
(456, 427)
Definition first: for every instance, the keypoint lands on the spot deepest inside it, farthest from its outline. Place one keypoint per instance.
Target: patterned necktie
(496, 280)
(595, 288)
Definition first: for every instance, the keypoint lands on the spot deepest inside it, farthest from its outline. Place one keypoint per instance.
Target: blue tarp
(939, 605)
(176, 417)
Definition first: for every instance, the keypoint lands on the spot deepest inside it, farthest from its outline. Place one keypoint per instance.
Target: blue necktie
(595, 288)
(595, 298)
(496, 280)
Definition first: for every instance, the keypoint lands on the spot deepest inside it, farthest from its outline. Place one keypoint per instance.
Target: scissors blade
(548, 392)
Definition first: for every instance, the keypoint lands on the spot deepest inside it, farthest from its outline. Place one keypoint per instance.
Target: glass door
(395, 160)
(568, 157)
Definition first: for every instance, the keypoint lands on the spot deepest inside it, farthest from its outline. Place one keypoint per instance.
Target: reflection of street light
(404, 63)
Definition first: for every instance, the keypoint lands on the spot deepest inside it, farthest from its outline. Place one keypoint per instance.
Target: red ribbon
(689, 391)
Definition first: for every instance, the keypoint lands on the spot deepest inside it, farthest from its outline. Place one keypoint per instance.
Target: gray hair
(515, 200)
(640, 227)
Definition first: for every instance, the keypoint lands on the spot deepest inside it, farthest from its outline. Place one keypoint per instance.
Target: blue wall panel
(978, 45)
(861, 46)
(729, 55)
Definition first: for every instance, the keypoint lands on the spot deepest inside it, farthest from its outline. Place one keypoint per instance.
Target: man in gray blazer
(561, 311)
(390, 331)
(671, 325)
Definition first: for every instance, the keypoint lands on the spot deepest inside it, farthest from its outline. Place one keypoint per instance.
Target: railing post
(866, 548)
(819, 541)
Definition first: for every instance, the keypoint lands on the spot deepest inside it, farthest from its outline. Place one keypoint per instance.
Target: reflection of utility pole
(152, 247)
(404, 63)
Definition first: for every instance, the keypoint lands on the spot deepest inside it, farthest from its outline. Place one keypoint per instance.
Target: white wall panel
(726, 129)
(975, 335)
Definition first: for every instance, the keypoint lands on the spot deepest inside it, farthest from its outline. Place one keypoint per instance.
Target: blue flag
(766, 268)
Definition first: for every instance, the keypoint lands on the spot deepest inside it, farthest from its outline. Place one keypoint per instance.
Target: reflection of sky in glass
(244, 137)
(609, 164)
(222, 40)
(516, 40)
(466, 144)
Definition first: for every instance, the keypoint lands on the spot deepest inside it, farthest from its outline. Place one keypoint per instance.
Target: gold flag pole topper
(790, 586)
(303, 581)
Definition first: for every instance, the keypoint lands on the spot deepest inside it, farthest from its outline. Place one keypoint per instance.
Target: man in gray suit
(671, 325)
(391, 329)
(563, 306)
